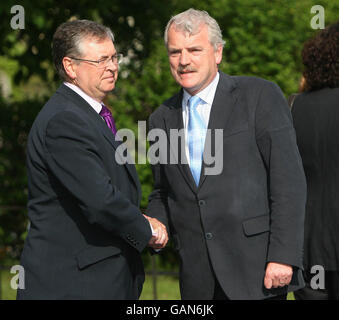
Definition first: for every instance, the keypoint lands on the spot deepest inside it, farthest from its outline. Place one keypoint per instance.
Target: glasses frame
(118, 57)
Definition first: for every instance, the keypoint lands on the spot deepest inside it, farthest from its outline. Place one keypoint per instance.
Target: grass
(7, 293)
(290, 296)
(167, 288)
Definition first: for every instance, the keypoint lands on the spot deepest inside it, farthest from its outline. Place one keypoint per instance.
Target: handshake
(159, 236)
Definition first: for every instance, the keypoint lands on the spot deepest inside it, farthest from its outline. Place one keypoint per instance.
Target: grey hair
(191, 20)
(68, 39)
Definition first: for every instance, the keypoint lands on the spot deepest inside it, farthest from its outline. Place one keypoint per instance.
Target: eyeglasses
(103, 63)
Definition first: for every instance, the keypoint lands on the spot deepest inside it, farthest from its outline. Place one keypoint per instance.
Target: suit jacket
(316, 121)
(251, 213)
(86, 231)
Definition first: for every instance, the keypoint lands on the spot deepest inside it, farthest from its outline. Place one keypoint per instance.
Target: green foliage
(15, 121)
(263, 38)
(167, 288)
(6, 292)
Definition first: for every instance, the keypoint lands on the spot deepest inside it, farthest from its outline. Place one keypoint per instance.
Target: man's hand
(160, 237)
(277, 275)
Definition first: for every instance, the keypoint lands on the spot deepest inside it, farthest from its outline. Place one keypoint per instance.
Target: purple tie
(107, 115)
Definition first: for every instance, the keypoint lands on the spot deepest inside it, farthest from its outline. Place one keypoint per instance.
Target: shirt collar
(207, 94)
(97, 106)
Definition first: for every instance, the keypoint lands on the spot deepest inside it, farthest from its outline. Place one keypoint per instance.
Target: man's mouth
(186, 70)
(109, 78)
(183, 72)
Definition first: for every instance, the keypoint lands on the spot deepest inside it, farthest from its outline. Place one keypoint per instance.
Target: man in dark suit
(86, 230)
(238, 229)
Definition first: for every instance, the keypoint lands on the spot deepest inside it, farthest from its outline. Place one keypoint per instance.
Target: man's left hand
(277, 275)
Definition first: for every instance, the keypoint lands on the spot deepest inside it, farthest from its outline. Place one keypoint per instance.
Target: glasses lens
(103, 63)
(118, 58)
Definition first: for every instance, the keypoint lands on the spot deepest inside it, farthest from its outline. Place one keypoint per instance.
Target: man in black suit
(238, 227)
(86, 230)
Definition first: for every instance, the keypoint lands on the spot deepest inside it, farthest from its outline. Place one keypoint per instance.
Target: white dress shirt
(203, 108)
(93, 103)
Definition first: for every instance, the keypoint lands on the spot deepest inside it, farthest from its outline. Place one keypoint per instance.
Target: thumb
(268, 282)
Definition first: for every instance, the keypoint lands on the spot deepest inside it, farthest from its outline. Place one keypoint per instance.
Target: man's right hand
(160, 237)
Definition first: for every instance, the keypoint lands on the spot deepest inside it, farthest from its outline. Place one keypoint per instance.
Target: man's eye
(174, 53)
(195, 50)
(102, 61)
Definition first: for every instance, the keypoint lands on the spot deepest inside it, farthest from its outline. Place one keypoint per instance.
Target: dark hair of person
(69, 36)
(320, 57)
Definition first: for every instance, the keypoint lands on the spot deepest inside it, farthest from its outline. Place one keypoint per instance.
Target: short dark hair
(68, 37)
(320, 57)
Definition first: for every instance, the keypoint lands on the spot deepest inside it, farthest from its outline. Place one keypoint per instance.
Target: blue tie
(196, 138)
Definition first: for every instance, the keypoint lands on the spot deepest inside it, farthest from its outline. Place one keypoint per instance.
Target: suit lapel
(223, 104)
(115, 144)
(174, 121)
(107, 133)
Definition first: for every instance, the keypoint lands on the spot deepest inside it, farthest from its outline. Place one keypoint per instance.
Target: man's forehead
(177, 34)
(201, 28)
(97, 45)
(97, 42)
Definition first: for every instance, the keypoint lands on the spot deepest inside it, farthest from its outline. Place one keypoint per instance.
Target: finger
(268, 282)
(276, 282)
(166, 239)
(289, 279)
(162, 241)
(161, 238)
(165, 236)
(152, 241)
(157, 246)
(281, 284)
(284, 281)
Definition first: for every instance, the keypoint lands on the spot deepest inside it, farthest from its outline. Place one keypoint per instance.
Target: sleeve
(74, 159)
(157, 201)
(276, 141)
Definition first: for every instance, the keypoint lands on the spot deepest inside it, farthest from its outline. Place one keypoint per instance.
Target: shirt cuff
(153, 232)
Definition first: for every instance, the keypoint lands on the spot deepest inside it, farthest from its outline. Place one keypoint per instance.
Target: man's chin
(108, 89)
(190, 88)
(187, 84)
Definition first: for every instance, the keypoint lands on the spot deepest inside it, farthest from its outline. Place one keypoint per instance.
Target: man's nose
(112, 65)
(184, 58)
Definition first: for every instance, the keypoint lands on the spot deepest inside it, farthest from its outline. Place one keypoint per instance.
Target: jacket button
(209, 236)
(202, 202)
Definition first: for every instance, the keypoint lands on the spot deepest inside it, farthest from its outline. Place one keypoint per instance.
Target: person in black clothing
(316, 119)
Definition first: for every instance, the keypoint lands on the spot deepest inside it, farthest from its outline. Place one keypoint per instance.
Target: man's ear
(69, 67)
(218, 54)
